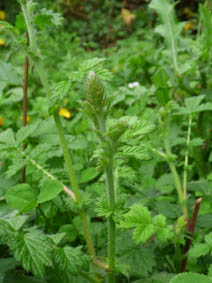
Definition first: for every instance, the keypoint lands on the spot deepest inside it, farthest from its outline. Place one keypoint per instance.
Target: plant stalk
(186, 158)
(25, 88)
(191, 231)
(174, 172)
(111, 223)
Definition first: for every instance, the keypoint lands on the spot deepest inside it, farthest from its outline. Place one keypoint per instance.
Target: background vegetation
(105, 141)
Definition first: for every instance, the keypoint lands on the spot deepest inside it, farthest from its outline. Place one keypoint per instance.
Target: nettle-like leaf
(201, 249)
(17, 221)
(21, 197)
(189, 277)
(7, 140)
(17, 164)
(193, 105)
(9, 27)
(6, 231)
(56, 238)
(8, 73)
(34, 251)
(170, 29)
(139, 217)
(94, 64)
(48, 17)
(138, 152)
(60, 91)
(72, 259)
(25, 132)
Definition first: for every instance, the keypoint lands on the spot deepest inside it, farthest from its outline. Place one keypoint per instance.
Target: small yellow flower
(66, 101)
(27, 119)
(1, 121)
(65, 113)
(2, 15)
(188, 26)
(2, 42)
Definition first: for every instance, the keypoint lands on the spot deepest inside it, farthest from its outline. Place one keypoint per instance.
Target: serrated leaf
(199, 250)
(17, 164)
(139, 218)
(48, 18)
(26, 131)
(72, 259)
(21, 197)
(34, 251)
(9, 27)
(8, 74)
(57, 238)
(95, 64)
(136, 151)
(7, 138)
(49, 190)
(143, 232)
(196, 142)
(17, 221)
(189, 277)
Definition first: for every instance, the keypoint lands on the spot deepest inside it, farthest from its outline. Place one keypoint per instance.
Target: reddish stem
(190, 229)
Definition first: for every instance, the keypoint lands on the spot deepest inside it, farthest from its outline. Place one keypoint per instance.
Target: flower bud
(94, 91)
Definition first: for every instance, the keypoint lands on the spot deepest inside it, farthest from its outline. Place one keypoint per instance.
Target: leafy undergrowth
(116, 146)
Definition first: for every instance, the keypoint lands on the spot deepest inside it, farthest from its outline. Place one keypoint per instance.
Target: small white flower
(133, 85)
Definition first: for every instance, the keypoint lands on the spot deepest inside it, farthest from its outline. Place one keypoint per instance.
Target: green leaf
(95, 64)
(208, 239)
(21, 197)
(48, 18)
(7, 264)
(56, 238)
(8, 74)
(26, 131)
(88, 175)
(189, 277)
(162, 231)
(17, 221)
(49, 190)
(7, 139)
(72, 259)
(70, 232)
(199, 250)
(34, 252)
(196, 142)
(207, 27)
(170, 29)
(139, 218)
(160, 79)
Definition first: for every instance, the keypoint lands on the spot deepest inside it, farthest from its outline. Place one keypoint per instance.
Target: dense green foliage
(117, 146)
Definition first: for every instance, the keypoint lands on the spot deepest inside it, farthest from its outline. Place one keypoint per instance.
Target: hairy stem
(111, 223)
(74, 183)
(186, 158)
